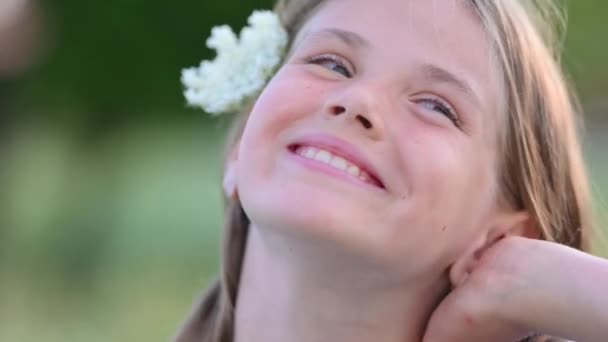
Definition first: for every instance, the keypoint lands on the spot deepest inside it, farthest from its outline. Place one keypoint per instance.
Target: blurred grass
(596, 143)
(111, 242)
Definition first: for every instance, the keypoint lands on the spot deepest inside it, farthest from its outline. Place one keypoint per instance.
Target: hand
(510, 292)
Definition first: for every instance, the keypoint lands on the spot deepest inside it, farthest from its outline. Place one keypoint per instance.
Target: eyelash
(341, 62)
(444, 107)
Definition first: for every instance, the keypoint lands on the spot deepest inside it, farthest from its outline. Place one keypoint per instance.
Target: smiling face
(378, 135)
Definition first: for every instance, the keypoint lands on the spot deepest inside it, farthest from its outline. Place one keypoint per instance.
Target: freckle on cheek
(469, 322)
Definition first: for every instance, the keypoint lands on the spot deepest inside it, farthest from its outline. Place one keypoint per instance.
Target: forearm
(578, 309)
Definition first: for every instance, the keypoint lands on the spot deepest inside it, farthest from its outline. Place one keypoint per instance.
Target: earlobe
(464, 265)
(229, 182)
(518, 223)
(504, 225)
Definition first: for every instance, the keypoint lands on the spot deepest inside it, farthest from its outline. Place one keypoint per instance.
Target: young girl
(412, 172)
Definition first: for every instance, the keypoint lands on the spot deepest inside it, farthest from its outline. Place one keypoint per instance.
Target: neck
(293, 291)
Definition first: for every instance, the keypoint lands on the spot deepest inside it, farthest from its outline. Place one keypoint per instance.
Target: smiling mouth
(336, 162)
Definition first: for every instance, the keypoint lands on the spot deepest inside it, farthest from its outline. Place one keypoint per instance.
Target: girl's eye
(441, 107)
(333, 63)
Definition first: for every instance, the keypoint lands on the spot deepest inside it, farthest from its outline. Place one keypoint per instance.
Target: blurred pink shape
(21, 36)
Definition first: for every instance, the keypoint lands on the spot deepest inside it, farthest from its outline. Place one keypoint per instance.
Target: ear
(230, 166)
(511, 223)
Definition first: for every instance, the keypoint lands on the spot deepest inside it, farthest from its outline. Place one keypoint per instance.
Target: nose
(358, 106)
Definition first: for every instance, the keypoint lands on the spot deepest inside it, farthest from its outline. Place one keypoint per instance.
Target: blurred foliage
(110, 209)
(119, 60)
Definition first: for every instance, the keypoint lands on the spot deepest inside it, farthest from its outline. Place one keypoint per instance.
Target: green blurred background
(110, 198)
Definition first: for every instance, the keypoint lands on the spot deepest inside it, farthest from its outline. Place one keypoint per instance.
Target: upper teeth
(333, 160)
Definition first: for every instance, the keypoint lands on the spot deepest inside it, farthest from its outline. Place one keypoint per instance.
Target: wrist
(569, 302)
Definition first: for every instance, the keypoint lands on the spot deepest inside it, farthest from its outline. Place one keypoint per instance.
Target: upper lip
(340, 148)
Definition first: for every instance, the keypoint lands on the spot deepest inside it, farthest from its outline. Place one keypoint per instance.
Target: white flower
(241, 67)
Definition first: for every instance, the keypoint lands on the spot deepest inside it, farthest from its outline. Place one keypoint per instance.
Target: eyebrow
(348, 37)
(430, 71)
(440, 75)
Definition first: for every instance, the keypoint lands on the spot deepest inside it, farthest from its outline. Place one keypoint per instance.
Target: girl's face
(378, 135)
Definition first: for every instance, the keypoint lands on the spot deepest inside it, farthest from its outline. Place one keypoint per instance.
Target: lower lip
(327, 169)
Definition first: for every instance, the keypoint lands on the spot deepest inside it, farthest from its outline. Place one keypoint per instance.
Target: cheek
(291, 95)
(437, 158)
(448, 175)
(450, 184)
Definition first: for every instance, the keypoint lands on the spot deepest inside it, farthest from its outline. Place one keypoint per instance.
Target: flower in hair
(241, 67)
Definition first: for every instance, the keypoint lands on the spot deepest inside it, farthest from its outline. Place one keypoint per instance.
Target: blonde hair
(541, 169)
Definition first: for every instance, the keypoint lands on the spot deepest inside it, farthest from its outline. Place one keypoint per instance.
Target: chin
(315, 215)
(294, 207)
(305, 211)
